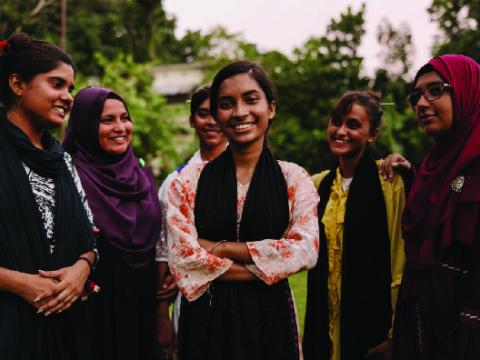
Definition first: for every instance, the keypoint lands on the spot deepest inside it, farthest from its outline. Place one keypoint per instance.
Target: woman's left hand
(381, 351)
(168, 291)
(71, 281)
(206, 244)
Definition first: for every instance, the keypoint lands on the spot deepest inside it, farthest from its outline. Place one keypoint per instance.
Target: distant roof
(178, 79)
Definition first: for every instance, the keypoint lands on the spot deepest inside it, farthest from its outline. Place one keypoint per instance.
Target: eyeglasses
(431, 92)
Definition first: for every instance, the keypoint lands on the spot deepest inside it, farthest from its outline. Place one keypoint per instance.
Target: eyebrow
(62, 80)
(430, 83)
(246, 93)
(249, 92)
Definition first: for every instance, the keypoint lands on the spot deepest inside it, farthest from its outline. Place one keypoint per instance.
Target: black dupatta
(366, 311)
(24, 247)
(249, 320)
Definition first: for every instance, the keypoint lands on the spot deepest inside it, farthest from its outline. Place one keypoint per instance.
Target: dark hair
(240, 67)
(198, 97)
(27, 57)
(425, 69)
(367, 99)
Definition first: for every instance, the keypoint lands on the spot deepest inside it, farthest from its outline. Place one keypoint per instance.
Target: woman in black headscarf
(238, 227)
(46, 242)
(122, 195)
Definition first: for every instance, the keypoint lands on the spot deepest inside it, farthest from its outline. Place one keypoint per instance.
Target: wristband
(84, 258)
(217, 244)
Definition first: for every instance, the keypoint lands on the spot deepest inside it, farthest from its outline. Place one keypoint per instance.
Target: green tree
(458, 21)
(139, 28)
(400, 132)
(308, 86)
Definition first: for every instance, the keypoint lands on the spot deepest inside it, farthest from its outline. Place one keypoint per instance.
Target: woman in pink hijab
(438, 309)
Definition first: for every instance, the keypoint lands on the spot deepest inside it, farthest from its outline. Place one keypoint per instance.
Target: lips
(211, 131)
(341, 141)
(243, 126)
(62, 110)
(118, 139)
(426, 119)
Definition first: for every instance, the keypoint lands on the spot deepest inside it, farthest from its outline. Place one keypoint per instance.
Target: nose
(342, 130)
(67, 97)
(118, 125)
(422, 104)
(240, 110)
(210, 120)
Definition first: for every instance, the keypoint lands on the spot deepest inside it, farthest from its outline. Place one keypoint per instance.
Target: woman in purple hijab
(438, 307)
(122, 195)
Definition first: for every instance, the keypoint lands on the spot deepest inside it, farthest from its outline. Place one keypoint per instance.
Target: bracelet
(84, 258)
(214, 246)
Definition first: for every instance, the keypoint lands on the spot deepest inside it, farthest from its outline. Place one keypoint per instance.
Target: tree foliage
(458, 21)
(308, 85)
(117, 41)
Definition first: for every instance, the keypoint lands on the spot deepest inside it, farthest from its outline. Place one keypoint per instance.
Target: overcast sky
(286, 24)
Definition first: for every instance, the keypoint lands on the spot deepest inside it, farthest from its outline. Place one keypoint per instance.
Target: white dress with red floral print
(273, 259)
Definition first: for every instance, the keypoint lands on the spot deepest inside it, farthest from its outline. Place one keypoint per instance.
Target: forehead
(358, 112)
(428, 78)
(238, 85)
(205, 104)
(63, 71)
(113, 105)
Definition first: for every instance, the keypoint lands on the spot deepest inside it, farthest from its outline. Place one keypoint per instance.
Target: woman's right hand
(392, 162)
(36, 290)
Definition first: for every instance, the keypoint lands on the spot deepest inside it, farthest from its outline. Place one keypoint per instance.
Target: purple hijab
(120, 191)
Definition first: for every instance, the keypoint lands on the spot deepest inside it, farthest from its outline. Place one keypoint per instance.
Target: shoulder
(395, 184)
(196, 158)
(190, 173)
(317, 178)
(292, 171)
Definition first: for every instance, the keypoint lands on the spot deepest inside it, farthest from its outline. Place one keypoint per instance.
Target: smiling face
(115, 129)
(349, 135)
(47, 98)
(243, 112)
(205, 126)
(435, 116)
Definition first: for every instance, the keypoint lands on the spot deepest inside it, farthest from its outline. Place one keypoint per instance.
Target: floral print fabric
(273, 259)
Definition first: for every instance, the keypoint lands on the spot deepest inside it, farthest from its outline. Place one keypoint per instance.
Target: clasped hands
(55, 291)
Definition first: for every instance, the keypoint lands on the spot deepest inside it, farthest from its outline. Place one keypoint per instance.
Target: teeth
(243, 126)
(341, 141)
(60, 109)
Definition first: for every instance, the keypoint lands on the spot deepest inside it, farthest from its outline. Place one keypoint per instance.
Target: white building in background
(177, 81)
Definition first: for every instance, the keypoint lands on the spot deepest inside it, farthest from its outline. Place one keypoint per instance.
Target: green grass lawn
(298, 284)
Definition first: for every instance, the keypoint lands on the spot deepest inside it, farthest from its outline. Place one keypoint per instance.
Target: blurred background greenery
(119, 43)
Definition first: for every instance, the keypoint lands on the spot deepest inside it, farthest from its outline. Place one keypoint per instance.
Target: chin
(339, 152)
(116, 151)
(50, 124)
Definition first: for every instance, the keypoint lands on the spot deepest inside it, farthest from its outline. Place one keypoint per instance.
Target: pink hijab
(438, 213)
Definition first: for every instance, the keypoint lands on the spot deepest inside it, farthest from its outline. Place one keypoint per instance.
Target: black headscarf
(248, 320)
(24, 247)
(366, 312)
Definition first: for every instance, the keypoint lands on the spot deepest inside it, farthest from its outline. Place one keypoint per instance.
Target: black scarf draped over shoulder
(265, 214)
(243, 320)
(24, 247)
(365, 304)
